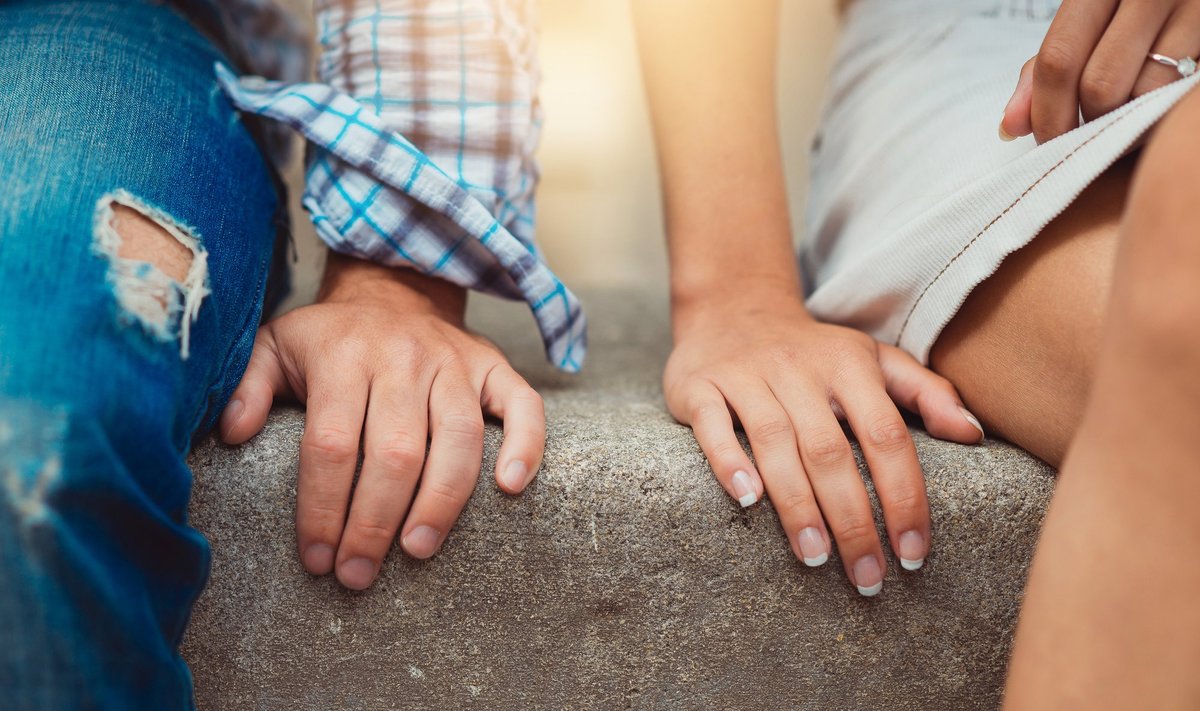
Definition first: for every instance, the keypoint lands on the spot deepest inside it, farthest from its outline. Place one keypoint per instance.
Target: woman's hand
(383, 359)
(1096, 58)
(762, 360)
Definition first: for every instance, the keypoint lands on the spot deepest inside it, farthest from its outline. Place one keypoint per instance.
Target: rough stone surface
(623, 578)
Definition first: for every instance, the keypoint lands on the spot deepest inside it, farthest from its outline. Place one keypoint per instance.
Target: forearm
(709, 68)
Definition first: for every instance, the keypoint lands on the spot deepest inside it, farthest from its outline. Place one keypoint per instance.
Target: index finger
(1069, 43)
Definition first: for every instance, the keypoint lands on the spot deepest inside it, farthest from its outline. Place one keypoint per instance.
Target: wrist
(705, 291)
(348, 279)
(731, 300)
(714, 265)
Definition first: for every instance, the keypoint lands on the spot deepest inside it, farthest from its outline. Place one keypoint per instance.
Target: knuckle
(854, 531)
(528, 399)
(785, 356)
(826, 449)
(706, 411)
(453, 490)
(772, 432)
(462, 425)
(374, 533)
(348, 348)
(1055, 62)
(906, 500)
(452, 359)
(728, 454)
(887, 433)
(403, 455)
(321, 521)
(860, 342)
(1098, 90)
(329, 445)
(529, 396)
(794, 500)
(406, 353)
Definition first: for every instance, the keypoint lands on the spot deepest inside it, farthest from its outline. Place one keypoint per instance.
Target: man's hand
(383, 360)
(760, 359)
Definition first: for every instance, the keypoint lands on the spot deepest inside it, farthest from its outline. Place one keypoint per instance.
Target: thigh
(112, 111)
(1022, 348)
(137, 223)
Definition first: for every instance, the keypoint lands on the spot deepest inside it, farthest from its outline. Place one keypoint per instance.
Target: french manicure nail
(514, 475)
(974, 422)
(912, 550)
(318, 558)
(421, 542)
(1004, 134)
(356, 573)
(743, 488)
(868, 577)
(812, 547)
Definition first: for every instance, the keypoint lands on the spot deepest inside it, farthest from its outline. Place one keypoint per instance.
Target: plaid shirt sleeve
(421, 130)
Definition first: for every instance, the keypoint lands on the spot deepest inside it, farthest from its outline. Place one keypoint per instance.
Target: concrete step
(624, 577)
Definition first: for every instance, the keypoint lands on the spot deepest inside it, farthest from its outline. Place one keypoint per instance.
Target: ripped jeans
(111, 119)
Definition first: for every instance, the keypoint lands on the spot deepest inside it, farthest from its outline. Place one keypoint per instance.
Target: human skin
(1081, 348)
(1110, 620)
(1104, 383)
(746, 351)
(383, 362)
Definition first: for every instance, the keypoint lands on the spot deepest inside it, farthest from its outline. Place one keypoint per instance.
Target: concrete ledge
(623, 578)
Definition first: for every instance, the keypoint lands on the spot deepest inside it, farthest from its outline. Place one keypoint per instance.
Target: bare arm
(746, 348)
(709, 68)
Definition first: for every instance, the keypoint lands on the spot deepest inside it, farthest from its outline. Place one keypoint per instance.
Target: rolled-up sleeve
(422, 129)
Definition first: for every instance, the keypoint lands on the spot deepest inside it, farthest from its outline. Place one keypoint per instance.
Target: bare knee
(144, 240)
(1158, 289)
(157, 267)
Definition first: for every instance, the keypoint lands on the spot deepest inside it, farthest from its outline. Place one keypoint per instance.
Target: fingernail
(743, 489)
(812, 547)
(912, 550)
(421, 542)
(514, 475)
(1004, 134)
(868, 577)
(318, 559)
(974, 422)
(232, 412)
(356, 573)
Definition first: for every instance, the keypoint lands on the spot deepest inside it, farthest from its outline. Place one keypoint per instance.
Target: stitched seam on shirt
(997, 218)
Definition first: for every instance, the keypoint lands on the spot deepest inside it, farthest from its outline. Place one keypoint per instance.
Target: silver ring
(1186, 66)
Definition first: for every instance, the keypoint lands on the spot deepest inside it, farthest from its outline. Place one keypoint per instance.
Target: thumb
(920, 390)
(1017, 120)
(248, 407)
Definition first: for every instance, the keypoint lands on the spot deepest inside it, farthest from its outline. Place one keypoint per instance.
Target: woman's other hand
(1095, 58)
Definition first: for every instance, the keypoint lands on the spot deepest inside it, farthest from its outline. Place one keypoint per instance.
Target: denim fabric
(98, 568)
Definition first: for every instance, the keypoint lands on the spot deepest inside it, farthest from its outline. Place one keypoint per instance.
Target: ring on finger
(1185, 66)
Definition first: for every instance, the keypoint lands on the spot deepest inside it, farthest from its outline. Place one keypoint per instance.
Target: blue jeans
(111, 104)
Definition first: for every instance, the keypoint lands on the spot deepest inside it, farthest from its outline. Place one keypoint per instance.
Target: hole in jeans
(157, 268)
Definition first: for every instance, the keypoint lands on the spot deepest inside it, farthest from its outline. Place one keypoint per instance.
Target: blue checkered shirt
(421, 131)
